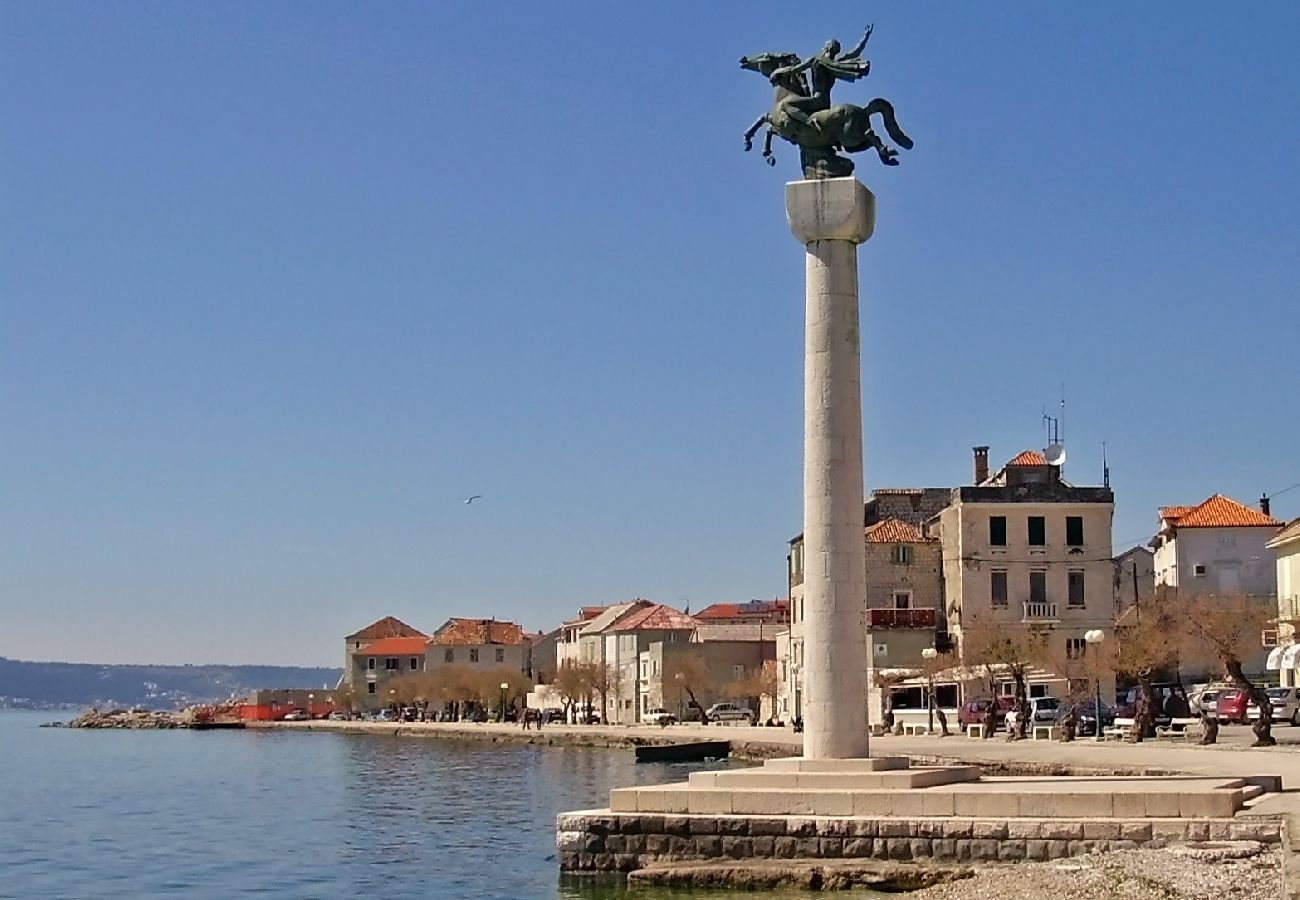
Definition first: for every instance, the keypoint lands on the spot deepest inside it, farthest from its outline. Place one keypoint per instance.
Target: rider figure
(828, 66)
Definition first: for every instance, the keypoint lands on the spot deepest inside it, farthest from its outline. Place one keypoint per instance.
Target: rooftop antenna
(1055, 425)
(1105, 469)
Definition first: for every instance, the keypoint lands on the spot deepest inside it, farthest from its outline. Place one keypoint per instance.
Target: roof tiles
(386, 627)
(1222, 512)
(394, 646)
(469, 632)
(655, 617)
(1028, 458)
(895, 531)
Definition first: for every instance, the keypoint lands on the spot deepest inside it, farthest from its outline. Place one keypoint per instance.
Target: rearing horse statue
(843, 126)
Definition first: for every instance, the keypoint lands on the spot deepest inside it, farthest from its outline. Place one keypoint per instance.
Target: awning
(1274, 661)
(1291, 657)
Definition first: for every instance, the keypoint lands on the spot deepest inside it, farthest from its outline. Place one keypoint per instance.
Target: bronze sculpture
(802, 112)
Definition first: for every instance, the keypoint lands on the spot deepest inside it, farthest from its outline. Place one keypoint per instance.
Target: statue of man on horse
(802, 113)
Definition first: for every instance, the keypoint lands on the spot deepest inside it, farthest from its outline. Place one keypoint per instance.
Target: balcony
(1288, 609)
(1041, 611)
(901, 618)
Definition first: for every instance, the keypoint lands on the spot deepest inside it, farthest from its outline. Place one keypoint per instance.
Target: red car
(1231, 706)
(972, 711)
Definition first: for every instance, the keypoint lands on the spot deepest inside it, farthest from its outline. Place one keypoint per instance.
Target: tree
(1144, 641)
(686, 670)
(886, 681)
(941, 664)
(572, 683)
(754, 684)
(344, 696)
(1011, 647)
(1224, 629)
(605, 680)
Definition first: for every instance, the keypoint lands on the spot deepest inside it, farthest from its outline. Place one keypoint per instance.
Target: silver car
(730, 712)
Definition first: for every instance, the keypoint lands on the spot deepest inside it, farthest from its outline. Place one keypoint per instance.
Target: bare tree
(1011, 647)
(687, 671)
(1224, 629)
(572, 682)
(940, 665)
(886, 681)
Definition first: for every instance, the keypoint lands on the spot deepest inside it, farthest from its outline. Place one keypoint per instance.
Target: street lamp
(929, 653)
(310, 703)
(1094, 637)
(505, 686)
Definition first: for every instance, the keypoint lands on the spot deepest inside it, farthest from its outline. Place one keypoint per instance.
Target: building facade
(1218, 546)
(1286, 656)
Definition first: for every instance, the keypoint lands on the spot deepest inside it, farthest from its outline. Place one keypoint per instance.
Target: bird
(473, 498)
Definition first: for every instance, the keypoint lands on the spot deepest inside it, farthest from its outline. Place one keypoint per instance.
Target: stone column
(831, 217)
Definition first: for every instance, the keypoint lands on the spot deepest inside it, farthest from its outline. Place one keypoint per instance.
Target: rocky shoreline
(133, 718)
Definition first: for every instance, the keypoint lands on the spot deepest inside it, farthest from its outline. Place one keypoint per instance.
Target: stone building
(387, 627)
(481, 644)
(722, 655)
(1025, 546)
(625, 640)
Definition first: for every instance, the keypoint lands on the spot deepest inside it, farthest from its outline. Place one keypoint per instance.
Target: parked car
(385, 715)
(658, 716)
(338, 715)
(1286, 705)
(1042, 711)
(1205, 699)
(972, 711)
(298, 715)
(1085, 716)
(1231, 706)
(730, 712)
(1169, 699)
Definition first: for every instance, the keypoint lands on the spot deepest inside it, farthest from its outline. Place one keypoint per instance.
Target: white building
(1218, 546)
(1286, 656)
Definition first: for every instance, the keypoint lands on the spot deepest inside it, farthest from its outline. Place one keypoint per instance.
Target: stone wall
(600, 841)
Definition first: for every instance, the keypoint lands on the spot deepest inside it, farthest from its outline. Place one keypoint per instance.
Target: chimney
(981, 464)
(1264, 504)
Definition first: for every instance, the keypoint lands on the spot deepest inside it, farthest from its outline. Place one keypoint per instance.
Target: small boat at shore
(692, 751)
(215, 726)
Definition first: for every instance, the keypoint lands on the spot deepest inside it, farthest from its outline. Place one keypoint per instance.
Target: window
(902, 599)
(370, 663)
(998, 587)
(1198, 571)
(1075, 648)
(737, 672)
(473, 655)
(1038, 587)
(998, 531)
(415, 663)
(449, 655)
(1037, 531)
(1075, 594)
(370, 687)
(901, 555)
(500, 655)
(1074, 531)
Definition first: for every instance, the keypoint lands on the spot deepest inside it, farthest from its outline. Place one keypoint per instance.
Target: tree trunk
(1263, 726)
(943, 722)
(1143, 726)
(1211, 732)
(1022, 707)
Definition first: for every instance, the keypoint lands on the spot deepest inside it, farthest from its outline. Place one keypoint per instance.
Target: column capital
(830, 209)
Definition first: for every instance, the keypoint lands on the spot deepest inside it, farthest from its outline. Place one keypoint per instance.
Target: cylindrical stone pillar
(831, 217)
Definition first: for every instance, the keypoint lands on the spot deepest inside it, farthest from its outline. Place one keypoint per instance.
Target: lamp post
(929, 653)
(392, 701)
(311, 698)
(1094, 637)
(505, 686)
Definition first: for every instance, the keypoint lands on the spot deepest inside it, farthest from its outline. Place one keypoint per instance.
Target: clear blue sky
(281, 283)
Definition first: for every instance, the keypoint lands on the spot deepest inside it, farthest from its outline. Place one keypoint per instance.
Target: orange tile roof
(394, 646)
(1224, 512)
(751, 609)
(1173, 513)
(385, 628)
(1289, 533)
(586, 613)
(656, 616)
(468, 632)
(1028, 458)
(895, 531)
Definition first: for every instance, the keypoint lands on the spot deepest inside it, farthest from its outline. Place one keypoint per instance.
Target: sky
(280, 285)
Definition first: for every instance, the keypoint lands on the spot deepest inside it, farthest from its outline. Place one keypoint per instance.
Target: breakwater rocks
(132, 718)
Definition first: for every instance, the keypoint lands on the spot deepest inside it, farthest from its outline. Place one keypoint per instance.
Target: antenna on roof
(1055, 425)
(1105, 469)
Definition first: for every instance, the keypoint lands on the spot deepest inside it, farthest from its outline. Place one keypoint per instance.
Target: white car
(1286, 705)
(658, 716)
(730, 712)
(1042, 711)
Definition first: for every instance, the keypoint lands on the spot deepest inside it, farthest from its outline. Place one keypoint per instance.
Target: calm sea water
(281, 814)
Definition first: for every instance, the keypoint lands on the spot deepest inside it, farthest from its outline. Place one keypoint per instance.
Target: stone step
(866, 764)
(980, 800)
(902, 779)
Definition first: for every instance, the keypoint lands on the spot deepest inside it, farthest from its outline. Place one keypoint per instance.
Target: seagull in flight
(472, 499)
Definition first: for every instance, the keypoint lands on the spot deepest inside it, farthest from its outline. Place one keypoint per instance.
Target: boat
(213, 726)
(691, 751)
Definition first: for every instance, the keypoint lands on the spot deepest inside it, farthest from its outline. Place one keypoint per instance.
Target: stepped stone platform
(884, 808)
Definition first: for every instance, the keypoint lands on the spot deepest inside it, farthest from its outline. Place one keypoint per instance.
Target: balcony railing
(901, 618)
(1288, 609)
(1042, 611)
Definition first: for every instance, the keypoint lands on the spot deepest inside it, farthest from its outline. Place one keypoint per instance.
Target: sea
(267, 813)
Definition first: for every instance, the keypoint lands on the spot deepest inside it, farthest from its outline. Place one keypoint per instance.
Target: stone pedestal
(831, 217)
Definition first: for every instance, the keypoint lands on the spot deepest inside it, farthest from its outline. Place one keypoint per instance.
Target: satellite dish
(1055, 455)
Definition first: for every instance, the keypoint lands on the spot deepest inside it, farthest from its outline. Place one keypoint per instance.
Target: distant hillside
(41, 685)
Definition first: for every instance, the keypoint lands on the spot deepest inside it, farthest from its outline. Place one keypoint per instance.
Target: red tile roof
(753, 609)
(470, 632)
(1028, 458)
(385, 628)
(394, 646)
(1223, 512)
(895, 531)
(590, 612)
(656, 616)
(1173, 513)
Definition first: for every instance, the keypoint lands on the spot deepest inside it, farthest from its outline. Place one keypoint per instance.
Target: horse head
(767, 63)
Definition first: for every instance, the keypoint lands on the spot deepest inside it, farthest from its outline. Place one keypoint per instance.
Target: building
(1286, 656)
(273, 705)
(543, 654)
(374, 663)
(724, 657)
(1216, 546)
(387, 627)
(567, 645)
(777, 611)
(480, 644)
(625, 640)
(1023, 546)
(1135, 579)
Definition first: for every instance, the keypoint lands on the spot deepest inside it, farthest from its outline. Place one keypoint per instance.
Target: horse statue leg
(886, 110)
(767, 148)
(753, 130)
